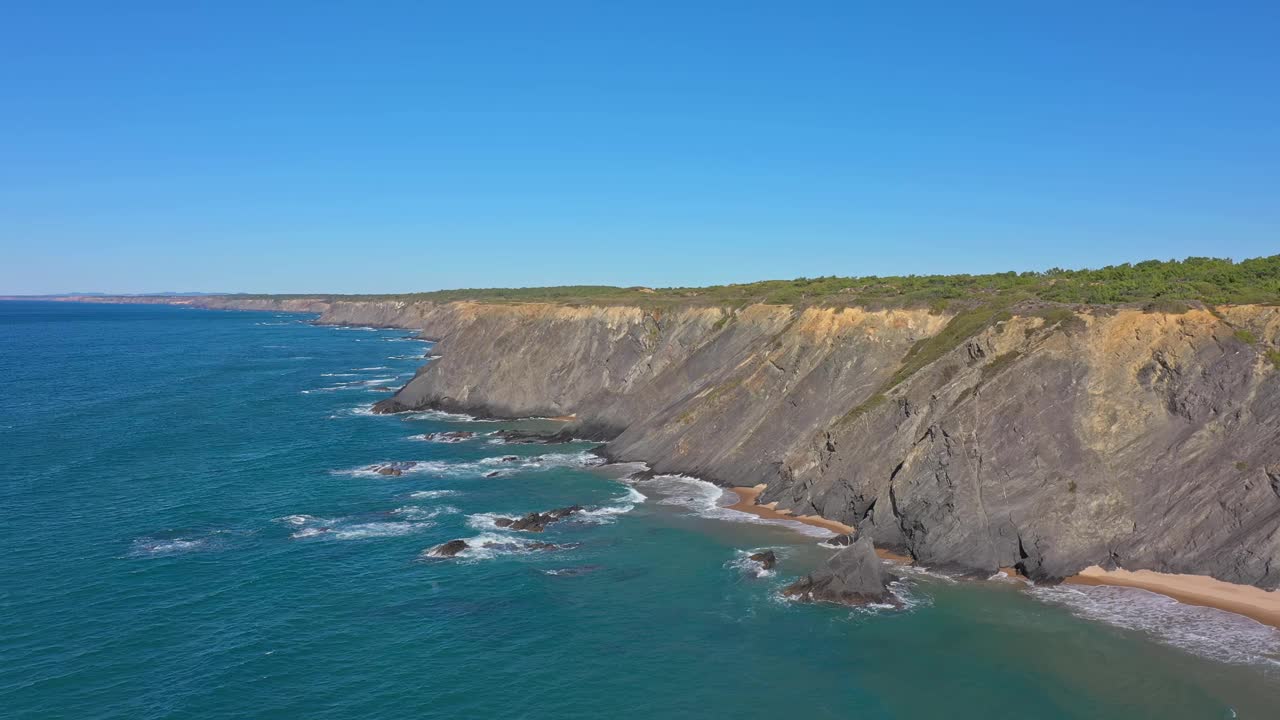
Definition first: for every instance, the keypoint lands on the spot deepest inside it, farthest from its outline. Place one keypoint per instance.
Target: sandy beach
(1256, 603)
(747, 503)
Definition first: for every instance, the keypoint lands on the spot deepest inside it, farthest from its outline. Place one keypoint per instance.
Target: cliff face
(1144, 440)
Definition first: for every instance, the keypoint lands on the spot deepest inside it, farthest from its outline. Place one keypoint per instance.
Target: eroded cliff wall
(1051, 442)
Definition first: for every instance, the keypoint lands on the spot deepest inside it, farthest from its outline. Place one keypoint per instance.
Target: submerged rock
(853, 576)
(766, 559)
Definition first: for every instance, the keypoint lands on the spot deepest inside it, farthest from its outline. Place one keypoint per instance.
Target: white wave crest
(488, 545)
(609, 513)
(485, 466)
(743, 563)
(710, 501)
(1215, 634)
(415, 512)
(378, 529)
(147, 546)
(432, 494)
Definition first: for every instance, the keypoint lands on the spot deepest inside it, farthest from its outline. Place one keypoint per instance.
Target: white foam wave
(432, 494)
(298, 520)
(357, 411)
(378, 529)
(488, 545)
(147, 546)
(415, 512)
(1208, 632)
(442, 416)
(360, 527)
(483, 521)
(374, 367)
(743, 563)
(443, 468)
(609, 513)
(710, 501)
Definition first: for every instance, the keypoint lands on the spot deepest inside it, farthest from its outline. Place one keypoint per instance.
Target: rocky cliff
(1047, 440)
(1041, 438)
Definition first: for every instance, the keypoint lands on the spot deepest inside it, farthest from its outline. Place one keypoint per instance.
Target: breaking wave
(711, 501)
(488, 545)
(432, 494)
(444, 468)
(743, 563)
(1215, 634)
(153, 546)
(359, 528)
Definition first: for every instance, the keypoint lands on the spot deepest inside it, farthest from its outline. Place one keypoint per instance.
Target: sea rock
(840, 540)
(395, 469)
(536, 521)
(766, 559)
(449, 549)
(455, 436)
(528, 437)
(493, 473)
(853, 576)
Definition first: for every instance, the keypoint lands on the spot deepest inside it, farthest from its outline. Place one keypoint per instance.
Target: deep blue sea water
(186, 531)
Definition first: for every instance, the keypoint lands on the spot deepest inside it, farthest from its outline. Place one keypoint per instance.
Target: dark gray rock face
(853, 576)
(1142, 440)
(767, 559)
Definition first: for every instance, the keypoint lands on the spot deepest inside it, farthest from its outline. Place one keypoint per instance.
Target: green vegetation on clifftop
(1167, 283)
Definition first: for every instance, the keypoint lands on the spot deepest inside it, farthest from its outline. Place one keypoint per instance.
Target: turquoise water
(187, 532)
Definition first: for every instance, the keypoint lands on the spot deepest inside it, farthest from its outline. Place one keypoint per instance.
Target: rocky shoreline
(1049, 442)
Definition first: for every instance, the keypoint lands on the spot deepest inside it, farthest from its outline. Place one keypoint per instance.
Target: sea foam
(1208, 632)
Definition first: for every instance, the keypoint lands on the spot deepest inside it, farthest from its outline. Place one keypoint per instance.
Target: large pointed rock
(853, 576)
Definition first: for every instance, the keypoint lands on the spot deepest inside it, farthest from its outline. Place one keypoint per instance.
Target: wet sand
(1252, 602)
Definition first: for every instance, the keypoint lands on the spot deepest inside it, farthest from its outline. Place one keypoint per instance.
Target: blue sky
(401, 146)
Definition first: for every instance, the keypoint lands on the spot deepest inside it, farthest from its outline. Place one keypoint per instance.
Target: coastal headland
(1133, 442)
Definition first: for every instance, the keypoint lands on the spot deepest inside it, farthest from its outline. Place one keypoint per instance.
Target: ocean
(193, 527)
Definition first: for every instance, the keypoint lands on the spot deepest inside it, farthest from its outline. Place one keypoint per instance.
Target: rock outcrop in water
(1045, 439)
(853, 576)
(536, 521)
